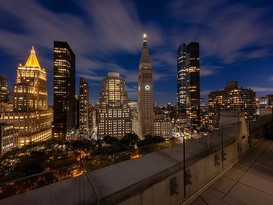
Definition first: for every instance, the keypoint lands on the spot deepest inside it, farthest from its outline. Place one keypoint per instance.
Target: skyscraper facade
(31, 115)
(3, 89)
(113, 112)
(145, 93)
(8, 137)
(83, 106)
(188, 83)
(64, 89)
(181, 79)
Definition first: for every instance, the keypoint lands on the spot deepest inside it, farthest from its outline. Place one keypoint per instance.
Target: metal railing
(216, 141)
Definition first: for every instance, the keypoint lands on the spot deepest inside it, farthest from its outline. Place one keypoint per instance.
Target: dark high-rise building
(188, 83)
(145, 92)
(83, 106)
(64, 89)
(181, 79)
(3, 89)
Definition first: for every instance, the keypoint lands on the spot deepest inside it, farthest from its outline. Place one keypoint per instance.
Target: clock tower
(145, 93)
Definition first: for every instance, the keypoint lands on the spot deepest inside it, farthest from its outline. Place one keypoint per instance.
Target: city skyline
(235, 41)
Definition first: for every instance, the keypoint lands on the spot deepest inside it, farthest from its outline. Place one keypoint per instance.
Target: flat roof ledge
(128, 177)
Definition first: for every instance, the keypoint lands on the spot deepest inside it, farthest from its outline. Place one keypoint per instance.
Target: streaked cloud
(225, 30)
(261, 89)
(164, 59)
(207, 71)
(105, 30)
(100, 32)
(132, 92)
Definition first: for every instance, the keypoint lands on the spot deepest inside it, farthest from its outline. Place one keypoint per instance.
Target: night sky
(236, 40)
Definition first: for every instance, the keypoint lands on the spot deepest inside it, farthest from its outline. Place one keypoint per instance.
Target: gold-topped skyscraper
(30, 89)
(145, 92)
(31, 115)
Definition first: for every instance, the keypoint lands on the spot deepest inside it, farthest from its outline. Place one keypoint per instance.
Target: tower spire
(144, 40)
(145, 57)
(144, 37)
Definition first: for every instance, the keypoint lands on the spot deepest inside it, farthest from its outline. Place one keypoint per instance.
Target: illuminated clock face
(147, 87)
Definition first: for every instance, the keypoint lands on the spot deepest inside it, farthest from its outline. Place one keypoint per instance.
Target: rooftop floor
(249, 182)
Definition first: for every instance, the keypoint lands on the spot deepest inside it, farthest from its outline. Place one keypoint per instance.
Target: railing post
(249, 140)
(184, 165)
(222, 146)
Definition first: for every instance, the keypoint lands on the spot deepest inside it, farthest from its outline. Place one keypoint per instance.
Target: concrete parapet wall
(153, 179)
